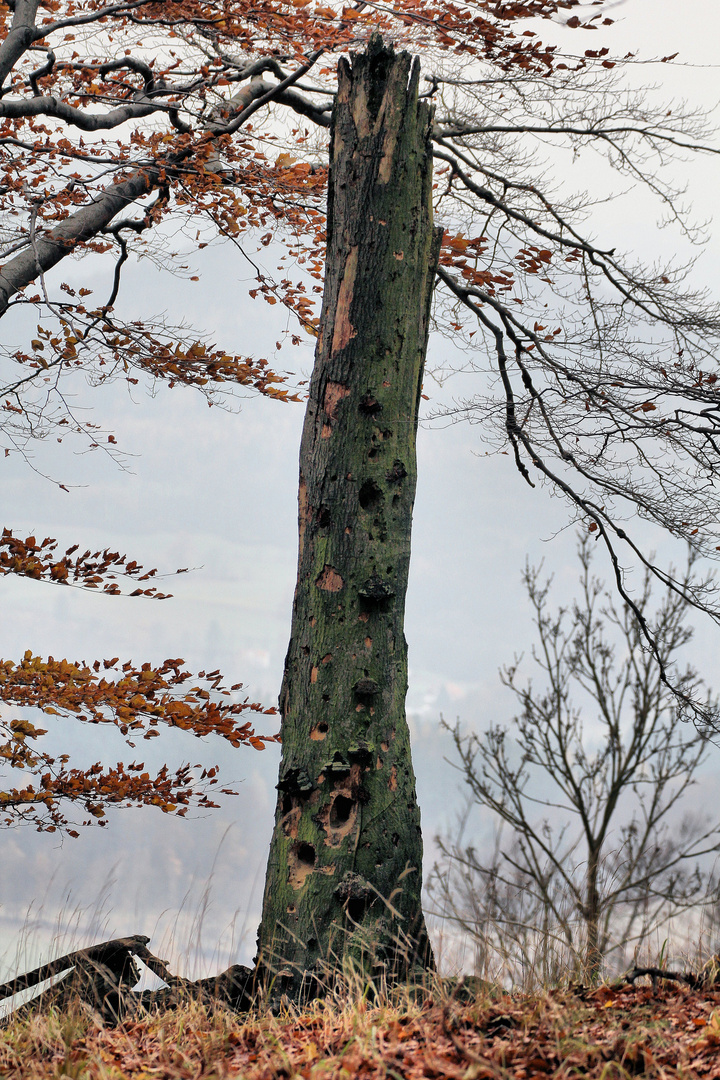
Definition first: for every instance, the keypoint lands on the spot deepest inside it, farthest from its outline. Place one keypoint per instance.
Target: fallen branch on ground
(103, 977)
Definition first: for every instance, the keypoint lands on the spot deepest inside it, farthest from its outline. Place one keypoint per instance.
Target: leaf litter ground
(667, 1031)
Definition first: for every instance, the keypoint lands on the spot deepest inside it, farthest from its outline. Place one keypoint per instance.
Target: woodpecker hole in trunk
(369, 495)
(340, 811)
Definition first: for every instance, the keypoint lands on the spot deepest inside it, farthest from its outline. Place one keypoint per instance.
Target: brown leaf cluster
(136, 702)
(96, 338)
(40, 561)
(466, 255)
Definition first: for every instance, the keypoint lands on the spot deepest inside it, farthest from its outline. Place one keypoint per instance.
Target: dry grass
(604, 1034)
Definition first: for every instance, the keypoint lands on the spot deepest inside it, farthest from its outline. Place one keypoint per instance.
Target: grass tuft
(605, 1033)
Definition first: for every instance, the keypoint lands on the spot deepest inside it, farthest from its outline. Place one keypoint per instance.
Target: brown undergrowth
(605, 1033)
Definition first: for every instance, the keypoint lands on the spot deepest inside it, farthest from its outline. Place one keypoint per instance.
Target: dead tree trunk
(344, 872)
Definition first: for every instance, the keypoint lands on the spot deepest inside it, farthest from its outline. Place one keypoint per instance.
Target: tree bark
(344, 873)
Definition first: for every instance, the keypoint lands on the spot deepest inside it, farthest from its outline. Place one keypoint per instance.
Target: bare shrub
(587, 786)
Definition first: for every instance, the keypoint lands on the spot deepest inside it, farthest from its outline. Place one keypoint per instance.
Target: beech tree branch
(20, 36)
(79, 118)
(90, 220)
(80, 227)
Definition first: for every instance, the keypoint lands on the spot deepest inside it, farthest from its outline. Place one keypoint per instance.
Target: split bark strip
(345, 866)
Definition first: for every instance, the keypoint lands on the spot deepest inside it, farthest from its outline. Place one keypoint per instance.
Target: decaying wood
(103, 977)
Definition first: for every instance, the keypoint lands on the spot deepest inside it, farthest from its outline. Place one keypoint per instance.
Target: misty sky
(216, 491)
